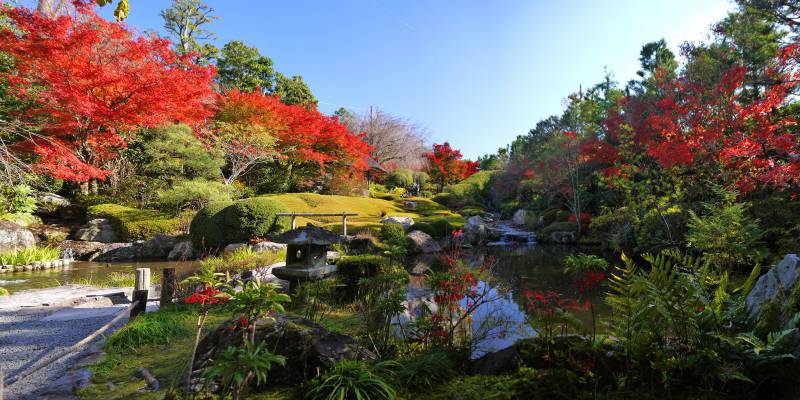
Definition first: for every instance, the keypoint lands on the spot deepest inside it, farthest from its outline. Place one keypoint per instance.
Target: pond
(519, 270)
(84, 272)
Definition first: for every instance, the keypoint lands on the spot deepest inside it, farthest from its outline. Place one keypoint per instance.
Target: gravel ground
(37, 324)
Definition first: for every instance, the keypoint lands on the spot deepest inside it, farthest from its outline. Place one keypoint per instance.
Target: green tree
(294, 90)
(245, 68)
(187, 21)
(173, 153)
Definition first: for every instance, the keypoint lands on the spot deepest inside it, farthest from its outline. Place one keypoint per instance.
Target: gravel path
(37, 324)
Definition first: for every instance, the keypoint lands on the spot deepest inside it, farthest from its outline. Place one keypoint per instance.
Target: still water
(83, 270)
(517, 270)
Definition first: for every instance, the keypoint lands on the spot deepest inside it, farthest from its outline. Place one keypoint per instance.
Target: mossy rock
(309, 349)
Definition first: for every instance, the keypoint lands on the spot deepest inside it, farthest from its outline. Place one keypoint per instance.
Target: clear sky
(476, 73)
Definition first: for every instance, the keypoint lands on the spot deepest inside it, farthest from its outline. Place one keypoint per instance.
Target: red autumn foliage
(302, 135)
(747, 143)
(89, 82)
(445, 165)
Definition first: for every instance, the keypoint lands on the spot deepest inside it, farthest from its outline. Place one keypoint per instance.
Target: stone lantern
(306, 254)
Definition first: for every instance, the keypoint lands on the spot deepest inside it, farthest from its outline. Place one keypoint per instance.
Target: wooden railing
(294, 216)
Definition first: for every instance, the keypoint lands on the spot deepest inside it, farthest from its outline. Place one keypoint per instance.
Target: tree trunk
(84, 188)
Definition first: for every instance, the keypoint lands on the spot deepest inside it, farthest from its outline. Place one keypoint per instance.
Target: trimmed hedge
(133, 223)
(222, 223)
(207, 229)
(441, 228)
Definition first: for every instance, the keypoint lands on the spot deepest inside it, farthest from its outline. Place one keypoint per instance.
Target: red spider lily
(208, 295)
(590, 281)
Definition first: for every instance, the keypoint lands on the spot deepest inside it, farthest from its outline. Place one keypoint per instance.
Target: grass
(30, 255)
(156, 328)
(166, 360)
(243, 259)
(112, 279)
(370, 210)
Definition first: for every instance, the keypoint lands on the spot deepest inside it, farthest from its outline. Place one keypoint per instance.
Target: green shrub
(194, 195)
(724, 234)
(3, 291)
(17, 204)
(442, 227)
(424, 227)
(133, 223)
(208, 228)
(560, 227)
(221, 223)
(158, 327)
(351, 380)
(424, 371)
(255, 217)
(351, 269)
(446, 199)
(471, 211)
(421, 178)
(400, 177)
(394, 236)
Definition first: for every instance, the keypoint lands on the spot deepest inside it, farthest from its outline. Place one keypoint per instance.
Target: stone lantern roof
(308, 235)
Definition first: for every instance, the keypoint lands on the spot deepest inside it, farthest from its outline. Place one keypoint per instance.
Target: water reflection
(517, 269)
(83, 271)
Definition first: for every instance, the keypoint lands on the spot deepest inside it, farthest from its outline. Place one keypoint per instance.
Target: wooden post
(294, 223)
(142, 279)
(140, 291)
(344, 224)
(169, 283)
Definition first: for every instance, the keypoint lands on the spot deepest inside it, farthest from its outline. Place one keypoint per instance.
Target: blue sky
(476, 73)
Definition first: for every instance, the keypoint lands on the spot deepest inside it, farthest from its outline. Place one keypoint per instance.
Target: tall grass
(113, 279)
(243, 259)
(30, 255)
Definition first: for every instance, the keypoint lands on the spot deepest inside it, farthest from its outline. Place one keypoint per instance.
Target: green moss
(133, 223)
(3, 291)
(424, 227)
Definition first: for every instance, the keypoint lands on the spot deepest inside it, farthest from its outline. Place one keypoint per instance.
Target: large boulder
(234, 247)
(50, 202)
(421, 242)
(519, 217)
(115, 252)
(781, 277)
(406, 222)
(14, 237)
(97, 230)
(182, 250)
(159, 247)
(475, 230)
(308, 347)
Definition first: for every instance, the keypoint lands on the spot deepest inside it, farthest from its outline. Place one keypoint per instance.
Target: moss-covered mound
(133, 223)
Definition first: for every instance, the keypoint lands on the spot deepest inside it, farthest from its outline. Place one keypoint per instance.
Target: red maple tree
(88, 83)
(251, 128)
(713, 129)
(445, 165)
